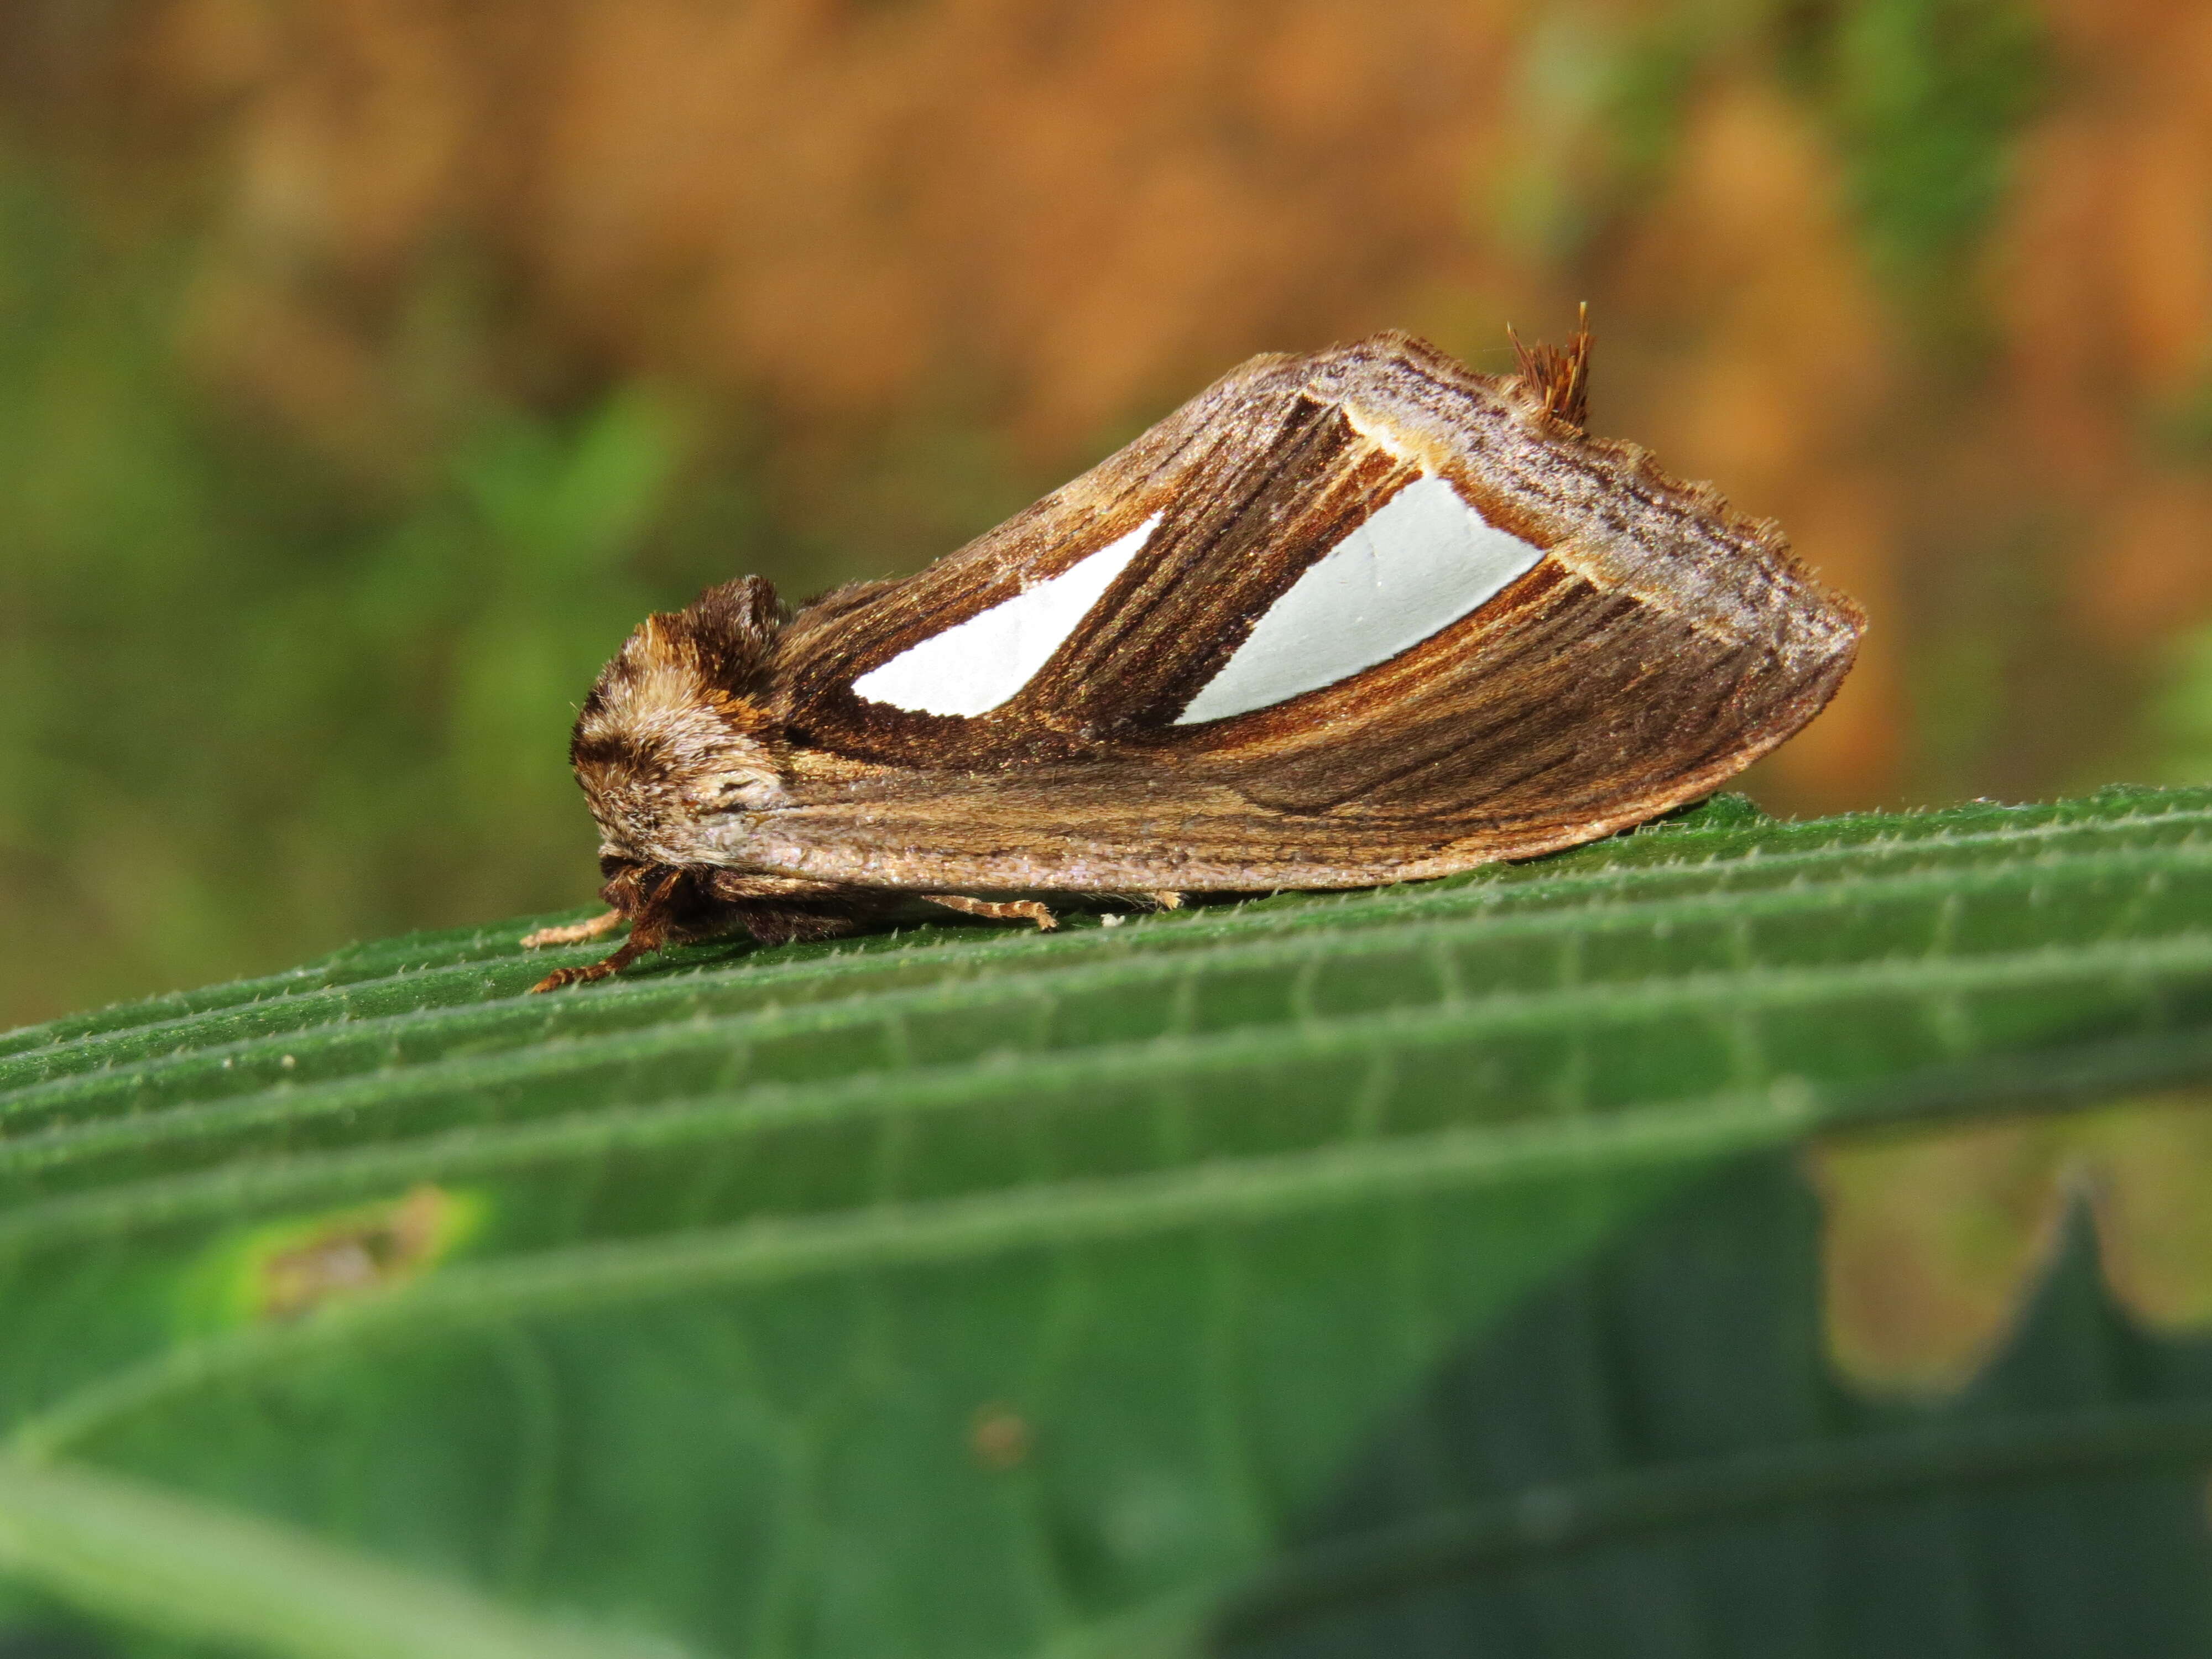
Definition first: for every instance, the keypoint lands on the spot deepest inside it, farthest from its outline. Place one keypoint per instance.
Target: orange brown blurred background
(368, 366)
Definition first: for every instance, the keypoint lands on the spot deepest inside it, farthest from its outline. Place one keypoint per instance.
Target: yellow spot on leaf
(367, 1253)
(287, 1269)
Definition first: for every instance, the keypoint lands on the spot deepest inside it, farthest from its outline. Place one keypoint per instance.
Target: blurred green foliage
(248, 705)
(1924, 99)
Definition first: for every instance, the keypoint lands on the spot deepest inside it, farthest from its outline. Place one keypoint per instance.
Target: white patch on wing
(974, 666)
(1424, 559)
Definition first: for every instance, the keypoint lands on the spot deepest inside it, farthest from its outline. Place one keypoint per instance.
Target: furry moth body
(1354, 617)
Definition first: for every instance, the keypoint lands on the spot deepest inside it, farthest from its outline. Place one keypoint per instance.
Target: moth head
(677, 733)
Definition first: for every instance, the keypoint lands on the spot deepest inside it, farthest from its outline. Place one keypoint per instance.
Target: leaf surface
(964, 1291)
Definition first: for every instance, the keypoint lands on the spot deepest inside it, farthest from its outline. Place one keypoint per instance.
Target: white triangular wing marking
(1424, 559)
(975, 666)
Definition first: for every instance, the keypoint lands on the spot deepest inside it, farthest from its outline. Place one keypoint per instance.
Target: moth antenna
(1556, 378)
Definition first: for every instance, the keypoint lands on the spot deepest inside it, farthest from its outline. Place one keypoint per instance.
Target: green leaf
(970, 1291)
(111, 1543)
(1653, 1458)
(1926, 101)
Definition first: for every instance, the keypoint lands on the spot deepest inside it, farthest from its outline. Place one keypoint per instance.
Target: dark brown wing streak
(1556, 701)
(1246, 525)
(1085, 828)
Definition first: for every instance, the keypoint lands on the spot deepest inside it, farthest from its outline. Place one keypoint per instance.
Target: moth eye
(975, 666)
(1422, 560)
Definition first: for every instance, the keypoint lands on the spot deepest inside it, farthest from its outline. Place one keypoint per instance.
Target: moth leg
(575, 933)
(768, 923)
(1165, 899)
(998, 910)
(612, 964)
(652, 900)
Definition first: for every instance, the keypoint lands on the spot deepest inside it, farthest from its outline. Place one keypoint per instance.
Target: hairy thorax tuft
(669, 743)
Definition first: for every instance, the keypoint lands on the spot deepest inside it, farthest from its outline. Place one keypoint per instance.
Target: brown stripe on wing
(1557, 698)
(1072, 829)
(1243, 531)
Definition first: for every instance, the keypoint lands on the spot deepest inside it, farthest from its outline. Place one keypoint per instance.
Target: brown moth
(1342, 619)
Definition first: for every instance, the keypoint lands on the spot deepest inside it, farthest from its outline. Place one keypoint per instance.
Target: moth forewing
(1345, 619)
